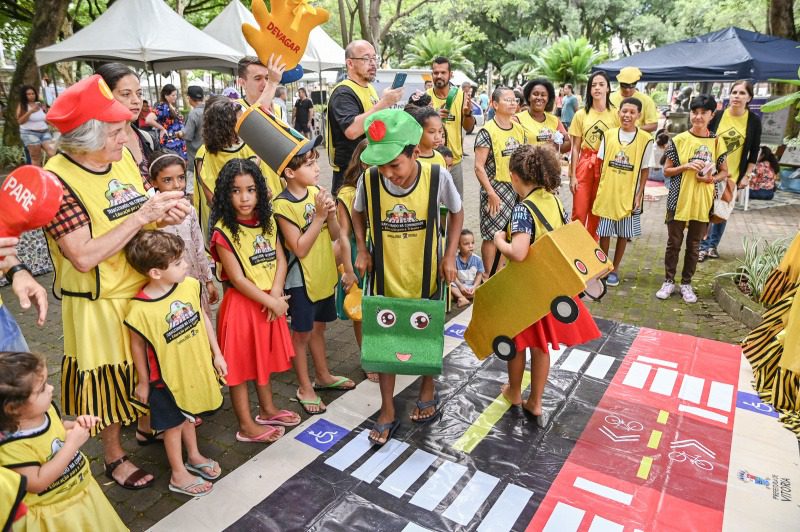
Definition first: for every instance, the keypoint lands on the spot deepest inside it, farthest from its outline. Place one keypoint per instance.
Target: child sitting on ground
(175, 353)
(469, 270)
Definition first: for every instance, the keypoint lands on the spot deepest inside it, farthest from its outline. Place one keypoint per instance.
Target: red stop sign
(29, 199)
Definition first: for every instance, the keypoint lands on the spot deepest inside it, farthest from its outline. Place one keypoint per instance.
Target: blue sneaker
(612, 279)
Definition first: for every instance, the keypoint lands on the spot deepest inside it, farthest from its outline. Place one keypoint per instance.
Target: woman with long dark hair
(32, 125)
(169, 121)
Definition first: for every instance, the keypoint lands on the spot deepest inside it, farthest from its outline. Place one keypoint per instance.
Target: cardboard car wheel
(504, 347)
(564, 309)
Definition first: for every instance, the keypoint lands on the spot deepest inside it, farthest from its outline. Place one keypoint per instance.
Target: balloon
(292, 75)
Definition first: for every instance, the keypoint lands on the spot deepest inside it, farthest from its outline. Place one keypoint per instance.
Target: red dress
(253, 346)
(549, 330)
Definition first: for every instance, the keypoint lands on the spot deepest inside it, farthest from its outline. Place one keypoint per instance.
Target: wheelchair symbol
(323, 438)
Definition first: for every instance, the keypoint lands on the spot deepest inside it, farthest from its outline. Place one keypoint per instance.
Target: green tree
(568, 60)
(525, 51)
(424, 47)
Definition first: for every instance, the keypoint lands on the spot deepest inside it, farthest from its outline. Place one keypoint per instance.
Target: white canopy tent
(143, 33)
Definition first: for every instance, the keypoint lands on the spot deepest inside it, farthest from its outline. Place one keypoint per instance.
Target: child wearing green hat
(403, 189)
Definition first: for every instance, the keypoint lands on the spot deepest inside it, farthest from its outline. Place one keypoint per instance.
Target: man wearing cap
(93, 279)
(193, 131)
(351, 102)
(397, 182)
(627, 78)
(455, 109)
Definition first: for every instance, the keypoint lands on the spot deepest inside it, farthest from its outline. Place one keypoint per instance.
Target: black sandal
(149, 437)
(133, 478)
(424, 405)
(380, 428)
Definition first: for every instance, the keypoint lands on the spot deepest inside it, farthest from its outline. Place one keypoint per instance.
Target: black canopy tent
(724, 55)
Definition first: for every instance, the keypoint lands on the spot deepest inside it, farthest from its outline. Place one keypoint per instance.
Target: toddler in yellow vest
(176, 356)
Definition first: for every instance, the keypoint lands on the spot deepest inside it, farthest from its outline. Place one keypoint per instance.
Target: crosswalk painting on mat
(573, 360)
(503, 502)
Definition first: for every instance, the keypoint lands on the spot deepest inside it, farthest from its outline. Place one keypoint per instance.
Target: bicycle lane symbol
(322, 435)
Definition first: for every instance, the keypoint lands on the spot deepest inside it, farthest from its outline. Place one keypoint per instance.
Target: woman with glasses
(493, 148)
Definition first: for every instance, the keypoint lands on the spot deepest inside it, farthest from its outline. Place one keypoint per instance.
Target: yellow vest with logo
(436, 158)
(12, 492)
(591, 126)
(255, 253)
(696, 197)
(108, 198)
(278, 112)
(550, 207)
(404, 221)
(732, 130)
(347, 196)
(212, 164)
(619, 177)
(40, 448)
(174, 327)
(452, 124)
(538, 132)
(367, 96)
(319, 265)
(504, 142)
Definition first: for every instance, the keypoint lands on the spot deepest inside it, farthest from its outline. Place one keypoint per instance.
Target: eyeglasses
(368, 59)
(628, 85)
(509, 100)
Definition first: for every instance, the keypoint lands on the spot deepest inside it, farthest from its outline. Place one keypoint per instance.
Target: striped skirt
(630, 227)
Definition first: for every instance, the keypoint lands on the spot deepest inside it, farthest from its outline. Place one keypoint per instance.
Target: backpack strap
(430, 229)
(377, 230)
(536, 212)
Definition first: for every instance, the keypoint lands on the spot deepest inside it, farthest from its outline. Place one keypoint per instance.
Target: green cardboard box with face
(402, 336)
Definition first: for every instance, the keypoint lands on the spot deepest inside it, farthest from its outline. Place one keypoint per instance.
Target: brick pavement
(632, 302)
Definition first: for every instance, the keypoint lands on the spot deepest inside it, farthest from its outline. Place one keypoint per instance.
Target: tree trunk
(47, 20)
(363, 19)
(375, 25)
(780, 23)
(343, 21)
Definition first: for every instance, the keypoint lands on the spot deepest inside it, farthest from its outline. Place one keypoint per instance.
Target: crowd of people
(153, 222)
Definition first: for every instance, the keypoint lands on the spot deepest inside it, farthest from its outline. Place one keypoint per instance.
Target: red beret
(88, 99)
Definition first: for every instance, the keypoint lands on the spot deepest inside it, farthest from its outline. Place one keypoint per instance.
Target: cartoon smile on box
(560, 265)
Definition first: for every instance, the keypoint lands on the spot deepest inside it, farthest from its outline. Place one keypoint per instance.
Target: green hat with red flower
(388, 133)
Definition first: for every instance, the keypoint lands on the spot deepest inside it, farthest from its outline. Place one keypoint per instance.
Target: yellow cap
(629, 75)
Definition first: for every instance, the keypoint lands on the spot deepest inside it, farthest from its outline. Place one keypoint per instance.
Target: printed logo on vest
(545, 134)
(621, 162)
(733, 140)
(402, 220)
(262, 251)
(701, 154)
(123, 199)
(511, 145)
(75, 467)
(181, 319)
(308, 216)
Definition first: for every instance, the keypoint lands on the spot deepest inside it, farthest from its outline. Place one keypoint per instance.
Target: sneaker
(702, 256)
(712, 253)
(612, 279)
(688, 294)
(666, 290)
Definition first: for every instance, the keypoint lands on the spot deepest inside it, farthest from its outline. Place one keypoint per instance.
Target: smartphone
(399, 80)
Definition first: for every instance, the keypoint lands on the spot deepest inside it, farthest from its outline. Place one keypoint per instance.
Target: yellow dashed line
(655, 439)
(663, 416)
(644, 467)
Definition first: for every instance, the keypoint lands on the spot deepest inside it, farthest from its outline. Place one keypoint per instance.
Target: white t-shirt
(447, 194)
(626, 138)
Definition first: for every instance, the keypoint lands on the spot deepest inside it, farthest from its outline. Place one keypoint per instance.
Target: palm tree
(425, 47)
(525, 50)
(568, 60)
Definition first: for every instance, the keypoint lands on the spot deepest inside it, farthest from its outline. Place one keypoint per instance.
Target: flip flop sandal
(380, 428)
(315, 402)
(422, 405)
(338, 385)
(541, 420)
(276, 419)
(185, 489)
(149, 437)
(133, 478)
(266, 437)
(372, 376)
(199, 469)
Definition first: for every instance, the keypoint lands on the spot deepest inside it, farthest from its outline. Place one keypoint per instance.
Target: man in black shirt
(303, 111)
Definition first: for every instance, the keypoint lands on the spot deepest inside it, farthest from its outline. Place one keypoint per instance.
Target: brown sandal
(133, 478)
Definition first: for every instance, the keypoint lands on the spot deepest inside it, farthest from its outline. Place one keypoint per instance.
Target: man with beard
(456, 112)
(353, 100)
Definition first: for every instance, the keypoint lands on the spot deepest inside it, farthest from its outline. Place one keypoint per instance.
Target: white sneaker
(666, 290)
(688, 293)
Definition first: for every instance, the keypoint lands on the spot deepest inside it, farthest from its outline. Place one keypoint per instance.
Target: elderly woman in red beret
(106, 202)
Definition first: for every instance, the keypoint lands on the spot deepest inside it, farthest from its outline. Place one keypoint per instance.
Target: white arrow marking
(677, 444)
(616, 438)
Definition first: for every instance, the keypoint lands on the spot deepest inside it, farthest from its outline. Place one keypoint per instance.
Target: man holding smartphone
(456, 112)
(351, 101)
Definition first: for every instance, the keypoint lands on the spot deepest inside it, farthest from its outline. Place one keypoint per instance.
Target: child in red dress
(535, 175)
(251, 324)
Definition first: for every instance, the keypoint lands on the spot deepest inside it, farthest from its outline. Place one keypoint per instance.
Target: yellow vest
(696, 197)
(319, 266)
(347, 196)
(255, 253)
(549, 206)
(619, 177)
(367, 96)
(12, 491)
(649, 114)
(108, 198)
(504, 142)
(212, 164)
(436, 158)
(733, 132)
(174, 327)
(278, 112)
(40, 448)
(404, 224)
(538, 132)
(592, 125)
(452, 124)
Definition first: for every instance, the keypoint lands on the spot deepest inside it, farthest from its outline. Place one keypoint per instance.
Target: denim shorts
(11, 338)
(32, 138)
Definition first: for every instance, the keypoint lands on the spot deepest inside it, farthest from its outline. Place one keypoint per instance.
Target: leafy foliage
(425, 47)
(525, 51)
(760, 258)
(568, 60)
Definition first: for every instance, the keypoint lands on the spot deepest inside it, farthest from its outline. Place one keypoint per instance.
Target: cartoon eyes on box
(581, 266)
(388, 318)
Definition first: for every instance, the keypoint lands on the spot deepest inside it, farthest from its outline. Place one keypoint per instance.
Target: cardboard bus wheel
(504, 347)
(564, 309)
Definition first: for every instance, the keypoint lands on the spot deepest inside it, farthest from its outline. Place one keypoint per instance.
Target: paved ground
(632, 302)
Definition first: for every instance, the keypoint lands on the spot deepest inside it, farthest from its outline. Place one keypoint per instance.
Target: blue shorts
(11, 338)
(164, 412)
(33, 138)
(304, 313)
